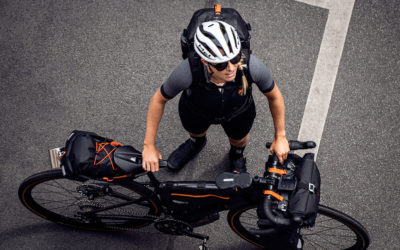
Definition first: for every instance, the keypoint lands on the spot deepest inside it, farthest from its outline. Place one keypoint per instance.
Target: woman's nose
(230, 67)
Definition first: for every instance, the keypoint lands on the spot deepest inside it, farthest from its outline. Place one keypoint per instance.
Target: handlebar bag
(304, 200)
(87, 153)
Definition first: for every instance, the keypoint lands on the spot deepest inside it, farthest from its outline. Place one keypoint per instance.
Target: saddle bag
(304, 200)
(86, 153)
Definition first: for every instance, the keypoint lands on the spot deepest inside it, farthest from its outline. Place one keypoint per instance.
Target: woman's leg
(238, 132)
(236, 160)
(197, 128)
(241, 142)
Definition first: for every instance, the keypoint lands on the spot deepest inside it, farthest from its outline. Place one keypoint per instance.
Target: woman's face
(226, 75)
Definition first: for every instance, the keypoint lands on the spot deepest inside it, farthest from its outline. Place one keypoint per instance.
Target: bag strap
(308, 186)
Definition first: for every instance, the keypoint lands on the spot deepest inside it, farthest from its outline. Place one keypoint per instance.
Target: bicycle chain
(129, 212)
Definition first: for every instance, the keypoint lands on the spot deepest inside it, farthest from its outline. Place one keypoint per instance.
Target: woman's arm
(150, 153)
(280, 144)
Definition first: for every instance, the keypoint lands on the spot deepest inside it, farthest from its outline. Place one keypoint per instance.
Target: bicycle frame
(192, 200)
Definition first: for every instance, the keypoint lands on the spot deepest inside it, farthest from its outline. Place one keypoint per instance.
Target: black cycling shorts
(237, 128)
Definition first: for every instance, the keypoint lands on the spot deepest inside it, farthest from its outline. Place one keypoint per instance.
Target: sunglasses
(222, 66)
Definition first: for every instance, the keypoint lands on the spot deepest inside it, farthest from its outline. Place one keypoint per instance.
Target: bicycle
(176, 207)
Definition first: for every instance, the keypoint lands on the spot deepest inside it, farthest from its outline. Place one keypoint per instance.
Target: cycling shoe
(183, 154)
(238, 165)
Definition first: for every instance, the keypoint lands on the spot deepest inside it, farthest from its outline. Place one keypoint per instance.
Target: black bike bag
(86, 153)
(304, 200)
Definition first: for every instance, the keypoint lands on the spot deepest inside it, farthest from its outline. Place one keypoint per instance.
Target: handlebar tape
(279, 221)
(296, 145)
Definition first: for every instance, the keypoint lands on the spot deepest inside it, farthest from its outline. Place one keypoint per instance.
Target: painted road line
(330, 53)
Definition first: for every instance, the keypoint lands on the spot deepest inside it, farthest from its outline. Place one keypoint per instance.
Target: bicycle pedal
(204, 245)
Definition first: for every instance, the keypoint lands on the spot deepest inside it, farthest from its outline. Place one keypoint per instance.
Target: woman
(221, 96)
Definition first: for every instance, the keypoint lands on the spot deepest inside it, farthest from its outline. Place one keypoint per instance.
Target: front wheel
(93, 204)
(333, 229)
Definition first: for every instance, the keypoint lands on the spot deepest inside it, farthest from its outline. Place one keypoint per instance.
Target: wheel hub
(92, 190)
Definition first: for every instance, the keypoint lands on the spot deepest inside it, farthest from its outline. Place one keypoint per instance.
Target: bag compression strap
(102, 146)
(308, 186)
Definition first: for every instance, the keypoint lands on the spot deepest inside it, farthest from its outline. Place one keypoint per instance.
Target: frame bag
(89, 154)
(304, 200)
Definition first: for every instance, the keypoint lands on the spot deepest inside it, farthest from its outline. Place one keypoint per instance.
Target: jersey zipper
(222, 102)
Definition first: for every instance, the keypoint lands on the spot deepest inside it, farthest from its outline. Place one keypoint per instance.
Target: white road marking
(330, 53)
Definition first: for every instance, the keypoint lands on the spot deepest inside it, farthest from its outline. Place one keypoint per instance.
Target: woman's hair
(241, 67)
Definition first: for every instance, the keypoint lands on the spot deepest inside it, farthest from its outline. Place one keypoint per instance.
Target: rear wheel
(92, 205)
(332, 230)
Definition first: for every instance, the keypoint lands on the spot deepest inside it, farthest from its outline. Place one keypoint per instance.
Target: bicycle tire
(331, 227)
(53, 197)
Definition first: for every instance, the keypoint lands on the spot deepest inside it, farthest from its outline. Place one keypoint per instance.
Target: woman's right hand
(150, 157)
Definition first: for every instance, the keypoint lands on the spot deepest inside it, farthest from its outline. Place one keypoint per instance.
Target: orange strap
(102, 146)
(201, 196)
(277, 196)
(277, 171)
(116, 177)
(217, 9)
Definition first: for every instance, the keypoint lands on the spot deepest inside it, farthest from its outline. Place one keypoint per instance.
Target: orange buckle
(61, 156)
(275, 195)
(217, 9)
(116, 144)
(277, 171)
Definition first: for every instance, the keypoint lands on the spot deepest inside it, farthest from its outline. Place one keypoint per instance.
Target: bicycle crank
(177, 227)
(172, 226)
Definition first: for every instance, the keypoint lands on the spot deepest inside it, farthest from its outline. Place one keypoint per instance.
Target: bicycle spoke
(52, 192)
(73, 204)
(59, 186)
(323, 238)
(333, 228)
(53, 201)
(333, 235)
(318, 246)
(70, 193)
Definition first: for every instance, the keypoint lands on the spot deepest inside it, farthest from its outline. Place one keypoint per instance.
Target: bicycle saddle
(128, 159)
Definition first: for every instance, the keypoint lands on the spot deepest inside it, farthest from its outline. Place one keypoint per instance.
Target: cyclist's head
(212, 37)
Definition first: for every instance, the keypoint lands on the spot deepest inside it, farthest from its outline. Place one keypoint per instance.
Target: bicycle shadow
(211, 173)
(69, 237)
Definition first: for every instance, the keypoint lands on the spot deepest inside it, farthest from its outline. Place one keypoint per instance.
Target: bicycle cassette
(174, 227)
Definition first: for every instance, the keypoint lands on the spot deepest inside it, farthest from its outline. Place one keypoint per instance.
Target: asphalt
(94, 65)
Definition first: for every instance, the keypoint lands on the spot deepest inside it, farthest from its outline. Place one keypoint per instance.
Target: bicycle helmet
(214, 35)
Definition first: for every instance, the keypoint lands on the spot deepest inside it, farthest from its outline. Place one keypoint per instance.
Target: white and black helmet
(214, 35)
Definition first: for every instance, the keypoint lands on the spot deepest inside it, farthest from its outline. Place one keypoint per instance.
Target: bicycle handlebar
(296, 145)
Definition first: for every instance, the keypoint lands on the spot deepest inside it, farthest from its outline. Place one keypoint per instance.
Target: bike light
(55, 155)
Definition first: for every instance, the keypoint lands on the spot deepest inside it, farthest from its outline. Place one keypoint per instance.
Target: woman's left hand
(280, 147)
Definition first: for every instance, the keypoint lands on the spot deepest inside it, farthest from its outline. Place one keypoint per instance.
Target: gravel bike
(177, 207)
